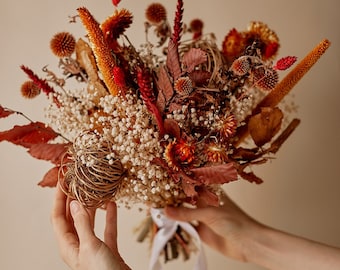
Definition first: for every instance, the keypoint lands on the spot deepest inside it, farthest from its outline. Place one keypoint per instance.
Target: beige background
(301, 190)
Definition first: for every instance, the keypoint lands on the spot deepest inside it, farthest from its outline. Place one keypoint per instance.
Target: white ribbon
(167, 228)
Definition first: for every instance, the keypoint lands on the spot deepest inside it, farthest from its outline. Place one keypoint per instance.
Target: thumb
(82, 222)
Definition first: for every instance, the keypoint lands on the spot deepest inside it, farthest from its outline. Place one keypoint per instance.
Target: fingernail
(74, 207)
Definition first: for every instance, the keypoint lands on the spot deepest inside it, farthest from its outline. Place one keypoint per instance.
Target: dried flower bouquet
(159, 128)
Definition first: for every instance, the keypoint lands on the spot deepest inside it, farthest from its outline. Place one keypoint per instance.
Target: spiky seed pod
(63, 44)
(155, 13)
(183, 86)
(94, 175)
(241, 66)
(215, 153)
(30, 90)
(265, 78)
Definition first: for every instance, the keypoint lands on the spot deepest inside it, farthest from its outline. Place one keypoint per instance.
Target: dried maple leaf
(192, 58)
(26, 135)
(172, 61)
(216, 174)
(50, 152)
(264, 125)
(4, 112)
(50, 179)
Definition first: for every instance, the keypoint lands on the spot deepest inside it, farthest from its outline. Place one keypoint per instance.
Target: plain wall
(300, 193)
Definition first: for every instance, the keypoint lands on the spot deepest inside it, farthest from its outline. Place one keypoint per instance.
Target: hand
(224, 228)
(233, 233)
(78, 245)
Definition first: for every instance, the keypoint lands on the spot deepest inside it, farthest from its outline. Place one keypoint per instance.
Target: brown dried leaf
(209, 197)
(50, 152)
(172, 60)
(26, 135)
(199, 77)
(50, 178)
(216, 174)
(264, 125)
(251, 177)
(192, 58)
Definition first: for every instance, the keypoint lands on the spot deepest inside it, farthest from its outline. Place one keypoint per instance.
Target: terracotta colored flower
(179, 153)
(155, 13)
(267, 39)
(63, 44)
(227, 127)
(116, 25)
(233, 45)
(216, 154)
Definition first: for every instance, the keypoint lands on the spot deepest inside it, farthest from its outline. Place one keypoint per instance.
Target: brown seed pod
(30, 90)
(265, 79)
(155, 13)
(93, 175)
(63, 44)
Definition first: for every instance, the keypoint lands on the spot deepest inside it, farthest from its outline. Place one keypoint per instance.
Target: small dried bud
(155, 13)
(30, 90)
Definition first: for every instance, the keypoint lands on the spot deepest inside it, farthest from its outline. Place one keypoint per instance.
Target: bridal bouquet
(161, 123)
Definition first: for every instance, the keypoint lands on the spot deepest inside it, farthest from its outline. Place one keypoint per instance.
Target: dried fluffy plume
(100, 49)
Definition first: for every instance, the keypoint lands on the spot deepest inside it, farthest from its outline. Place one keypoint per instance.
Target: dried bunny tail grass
(287, 84)
(100, 49)
(94, 175)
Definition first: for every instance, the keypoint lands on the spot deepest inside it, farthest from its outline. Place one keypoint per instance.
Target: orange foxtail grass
(285, 85)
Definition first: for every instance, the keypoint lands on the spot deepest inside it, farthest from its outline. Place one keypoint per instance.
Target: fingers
(83, 223)
(110, 233)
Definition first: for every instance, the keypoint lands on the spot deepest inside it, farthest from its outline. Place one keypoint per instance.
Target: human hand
(226, 229)
(78, 244)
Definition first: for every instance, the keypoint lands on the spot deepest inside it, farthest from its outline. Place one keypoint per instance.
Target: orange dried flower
(155, 13)
(267, 39)
(233, 45)
(179, 153)
(30, 90)
(227, 127)
(116, 25)
(216, 154)
(63, 44)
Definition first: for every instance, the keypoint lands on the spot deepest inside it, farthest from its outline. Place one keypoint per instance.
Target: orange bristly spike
(286, 84)
(101, 49)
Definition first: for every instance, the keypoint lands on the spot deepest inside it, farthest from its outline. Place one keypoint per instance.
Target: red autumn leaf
(216, 174)
(200, 77)
(50, 178)
(172, 128)
(251, 177)
(50, 152)
(5, 112)
(194, 57)
(26, 135)
(172, 61)
(188, 185)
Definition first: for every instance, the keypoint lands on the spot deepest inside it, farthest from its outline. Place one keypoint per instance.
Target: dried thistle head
(94, 174)
(63, 44)
(265, 78)
(183, 86)
(30, 90)
(156, 13)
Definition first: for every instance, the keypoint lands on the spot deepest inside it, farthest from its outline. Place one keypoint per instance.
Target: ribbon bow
(167, 228)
